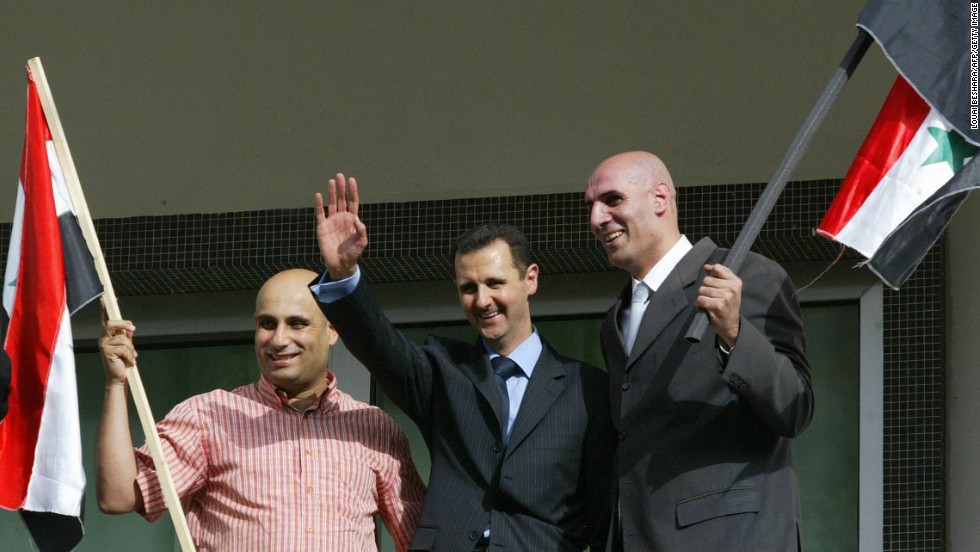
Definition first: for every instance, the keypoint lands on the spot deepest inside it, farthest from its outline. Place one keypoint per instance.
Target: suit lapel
(546, 385)
(479, 371)
(610, 334)
(672, 298)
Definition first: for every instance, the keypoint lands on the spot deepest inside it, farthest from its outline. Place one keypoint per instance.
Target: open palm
(340, 233)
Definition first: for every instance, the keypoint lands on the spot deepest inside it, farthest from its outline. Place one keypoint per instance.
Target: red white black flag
(915, 167)
(49, 275)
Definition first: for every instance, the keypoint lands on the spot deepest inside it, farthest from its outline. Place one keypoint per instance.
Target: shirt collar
(328, 400)
(655, 278)
(525, 355)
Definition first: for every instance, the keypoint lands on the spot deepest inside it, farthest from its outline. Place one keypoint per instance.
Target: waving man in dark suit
(520, 437)
(705, 459)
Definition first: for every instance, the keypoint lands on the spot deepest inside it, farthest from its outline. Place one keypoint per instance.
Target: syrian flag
(914, 169)
(49, 275)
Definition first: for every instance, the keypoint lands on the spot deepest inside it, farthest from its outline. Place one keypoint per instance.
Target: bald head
(633, 210)
(295, 280)
(292, 335)
(637, 167)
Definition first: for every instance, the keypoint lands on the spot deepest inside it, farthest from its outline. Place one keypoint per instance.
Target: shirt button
(626, 385)
(474, 535)
(309, 529)
(497, 447)
(309, 489)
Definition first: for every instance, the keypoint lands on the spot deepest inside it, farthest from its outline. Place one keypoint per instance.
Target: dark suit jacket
(547, 490)
(705, 460)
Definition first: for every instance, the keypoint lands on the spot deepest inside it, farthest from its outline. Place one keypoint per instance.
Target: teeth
(613, 236)
(490, 314)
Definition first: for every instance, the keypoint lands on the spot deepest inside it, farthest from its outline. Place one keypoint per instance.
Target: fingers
(353, 201)
(720, 295)
(332, 197)
(119, 327)
(117, 343)
(318, 208)
(719, 282)
(720, 271)
(342, 195)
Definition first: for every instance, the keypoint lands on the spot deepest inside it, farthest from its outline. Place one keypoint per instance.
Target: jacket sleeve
(403, 369)
(768, 366)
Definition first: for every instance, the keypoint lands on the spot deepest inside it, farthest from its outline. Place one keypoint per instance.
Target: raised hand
(339, 231)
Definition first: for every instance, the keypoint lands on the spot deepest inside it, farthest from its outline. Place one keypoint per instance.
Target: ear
(661, 193)
(531, 279)
(333, 333)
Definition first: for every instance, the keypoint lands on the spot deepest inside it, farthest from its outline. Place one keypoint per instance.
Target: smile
(282, 359)
(614, 235)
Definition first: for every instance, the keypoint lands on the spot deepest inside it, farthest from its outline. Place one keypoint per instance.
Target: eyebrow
(603, 196)
(287, 318)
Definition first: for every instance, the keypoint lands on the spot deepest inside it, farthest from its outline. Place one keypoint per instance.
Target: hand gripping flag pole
(109, 302)
(736, 256)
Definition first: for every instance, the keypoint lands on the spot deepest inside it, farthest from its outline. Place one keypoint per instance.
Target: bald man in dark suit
(705, 459)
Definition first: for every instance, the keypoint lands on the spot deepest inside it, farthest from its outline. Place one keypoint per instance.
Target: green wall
(827, 452)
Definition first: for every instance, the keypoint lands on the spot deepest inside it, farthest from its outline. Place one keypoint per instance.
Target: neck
(640, 271)
(304, 399)
(507, 348)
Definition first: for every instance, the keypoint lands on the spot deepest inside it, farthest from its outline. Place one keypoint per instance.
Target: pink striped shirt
(256, 474)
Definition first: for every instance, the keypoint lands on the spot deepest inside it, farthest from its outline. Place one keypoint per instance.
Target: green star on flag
(952, 149)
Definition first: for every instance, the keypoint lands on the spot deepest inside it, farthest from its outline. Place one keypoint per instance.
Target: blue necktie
(504, 368)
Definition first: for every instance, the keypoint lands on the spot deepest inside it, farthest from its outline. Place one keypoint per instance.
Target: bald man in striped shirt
(287, 463)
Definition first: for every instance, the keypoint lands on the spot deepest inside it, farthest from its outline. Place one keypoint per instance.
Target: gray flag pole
(736, 256)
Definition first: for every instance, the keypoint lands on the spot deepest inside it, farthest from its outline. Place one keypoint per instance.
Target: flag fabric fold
(900, 192)
(908, 244)
(49, 275)
(4, 366)
(929, 45)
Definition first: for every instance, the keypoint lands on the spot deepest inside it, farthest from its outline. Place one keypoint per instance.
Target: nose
(279, 336)
(482, 298)
(598, 216)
